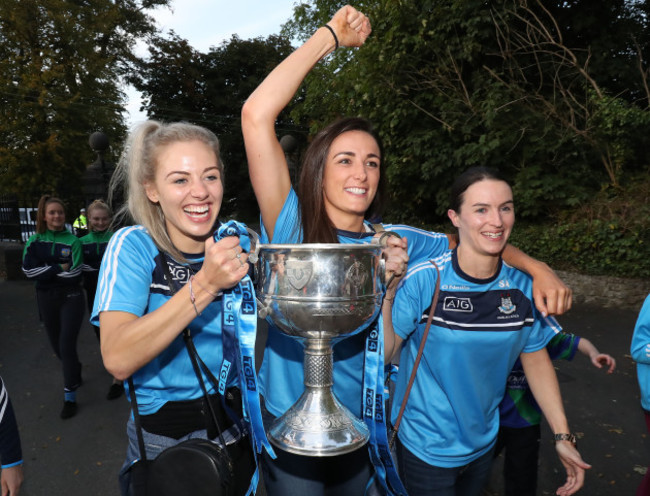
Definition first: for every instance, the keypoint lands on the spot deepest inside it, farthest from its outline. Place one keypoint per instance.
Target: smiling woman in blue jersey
(339, 192)
(162, 275)
(484, 320)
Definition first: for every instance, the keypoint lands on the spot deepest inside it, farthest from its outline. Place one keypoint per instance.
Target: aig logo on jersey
(454, 304)
(507, 307)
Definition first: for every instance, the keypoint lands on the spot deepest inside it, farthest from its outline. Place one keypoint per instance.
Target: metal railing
(17, 218)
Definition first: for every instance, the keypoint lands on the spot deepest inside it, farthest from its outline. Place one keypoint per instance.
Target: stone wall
(607, 291)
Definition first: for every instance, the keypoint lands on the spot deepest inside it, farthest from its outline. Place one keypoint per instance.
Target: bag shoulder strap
(418, 357)
(136, 420)
(195, 359)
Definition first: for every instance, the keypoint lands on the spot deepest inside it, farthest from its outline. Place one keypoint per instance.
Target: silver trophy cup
(319, 294)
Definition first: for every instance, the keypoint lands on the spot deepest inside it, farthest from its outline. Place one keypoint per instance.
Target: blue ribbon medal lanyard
(239, 330)
(374, 413)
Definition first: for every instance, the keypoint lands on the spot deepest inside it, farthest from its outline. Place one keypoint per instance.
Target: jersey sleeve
(563, 346)
(88, 246)
(421, 245)
(544, 330)
(34, 266)
(10, 450)
(640, 348)
(125, 275)
(287, 225)
(412, 299)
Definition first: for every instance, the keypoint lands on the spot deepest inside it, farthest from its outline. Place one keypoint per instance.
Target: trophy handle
(383, 242)
(383, 239)
(255, 246)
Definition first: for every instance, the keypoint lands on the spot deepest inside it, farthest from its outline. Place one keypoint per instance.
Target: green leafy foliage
(593, 248)
(453, 84)
(554, 94)
(60, 69)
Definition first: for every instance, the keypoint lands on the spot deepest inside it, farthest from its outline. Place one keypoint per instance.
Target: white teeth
(493, 235)
(196, 210)
(356, 191)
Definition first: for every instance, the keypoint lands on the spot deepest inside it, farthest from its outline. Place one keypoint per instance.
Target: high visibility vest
(80, 222)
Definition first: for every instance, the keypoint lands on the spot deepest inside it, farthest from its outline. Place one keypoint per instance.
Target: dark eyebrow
(487, 204)
(352, 154)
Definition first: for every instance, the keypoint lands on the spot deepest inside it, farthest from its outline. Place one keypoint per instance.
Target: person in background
(520, 415)
(483, 321)
(172, 175)
(340, 189)
(640, 351)
(80, 224)
(94, 245)
(11, 456)
(53, 258)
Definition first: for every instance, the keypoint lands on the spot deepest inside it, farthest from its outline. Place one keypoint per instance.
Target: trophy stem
(318, 424)
(318, 363)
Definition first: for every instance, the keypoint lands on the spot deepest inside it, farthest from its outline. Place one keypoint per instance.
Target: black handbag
(195, 467)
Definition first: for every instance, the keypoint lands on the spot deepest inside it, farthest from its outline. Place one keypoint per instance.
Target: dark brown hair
(316, 225)
(466, 179)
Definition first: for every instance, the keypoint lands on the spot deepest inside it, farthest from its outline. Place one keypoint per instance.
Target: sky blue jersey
(479, 329)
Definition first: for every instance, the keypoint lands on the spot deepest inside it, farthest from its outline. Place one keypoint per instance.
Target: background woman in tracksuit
(94, 245)
(53, 258)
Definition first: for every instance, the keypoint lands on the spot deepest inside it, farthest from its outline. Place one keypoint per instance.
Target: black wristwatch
(565, 437)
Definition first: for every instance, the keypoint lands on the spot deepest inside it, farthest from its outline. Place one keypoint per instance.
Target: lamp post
(98, 174)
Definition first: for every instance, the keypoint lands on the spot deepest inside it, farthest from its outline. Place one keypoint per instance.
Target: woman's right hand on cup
(225, 263)
(352, 28)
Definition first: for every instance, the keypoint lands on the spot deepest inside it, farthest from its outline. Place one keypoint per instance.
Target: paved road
(81, 456)
(604, 410)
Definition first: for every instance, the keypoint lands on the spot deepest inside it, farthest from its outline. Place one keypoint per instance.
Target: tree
(209, 89)
(515, 85)
(61, 64)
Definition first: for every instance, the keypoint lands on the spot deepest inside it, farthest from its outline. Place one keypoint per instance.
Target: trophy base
(318, 425)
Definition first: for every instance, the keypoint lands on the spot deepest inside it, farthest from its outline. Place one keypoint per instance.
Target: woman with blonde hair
(94, 245)
(162, 275)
